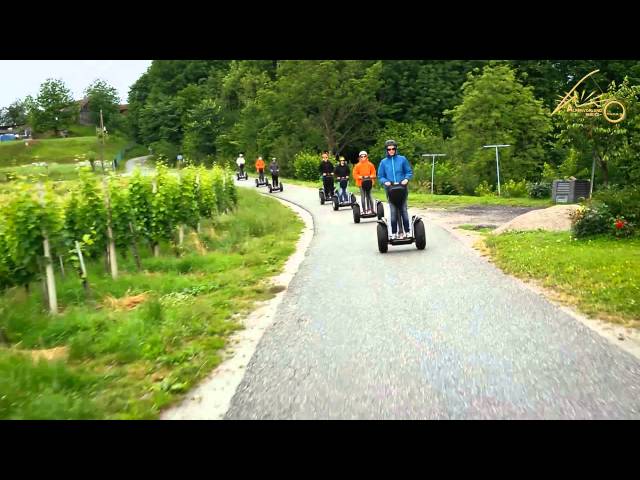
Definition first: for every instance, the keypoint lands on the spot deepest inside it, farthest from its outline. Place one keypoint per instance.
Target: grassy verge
(58, 150)
(475, 228)
(423, 200)
(142, 340)
(601, 276)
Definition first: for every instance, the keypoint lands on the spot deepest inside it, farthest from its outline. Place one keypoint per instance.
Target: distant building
(84, 115)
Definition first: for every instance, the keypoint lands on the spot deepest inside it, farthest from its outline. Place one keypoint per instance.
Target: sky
(19, 78)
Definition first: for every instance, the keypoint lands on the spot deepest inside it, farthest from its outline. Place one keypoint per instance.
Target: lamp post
(433, 164)
(497, 161)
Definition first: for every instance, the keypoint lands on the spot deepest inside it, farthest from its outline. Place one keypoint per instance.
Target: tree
(102, 96)
(202, 129)
(324, 104)
(421, 91)
(496, 108)
(53, 108)
(14, 114)
(613, 146)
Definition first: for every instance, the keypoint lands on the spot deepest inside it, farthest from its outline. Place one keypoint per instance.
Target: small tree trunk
(134, 247)
(61, 266)
(83, 271)
(50, 278)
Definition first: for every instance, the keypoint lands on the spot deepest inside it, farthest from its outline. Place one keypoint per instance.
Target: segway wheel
(335, 203)
(281, 188)
(270, 189)
(383, 238)
(420, 234)
(321, 198)
(353, 199)
(257, 182)
(380, 210)
(356, 212)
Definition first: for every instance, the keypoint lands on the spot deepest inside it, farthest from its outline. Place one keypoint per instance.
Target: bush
(514, 189)
(623, 228)
(306, 165)
(621, 202)
(484, 189)
(539, 189)
(591, 220)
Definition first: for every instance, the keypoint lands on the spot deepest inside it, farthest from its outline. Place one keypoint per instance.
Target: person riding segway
(260, 181)
(327, 190)
(274, 168)
(364, 174)
(394, 172)
(241, 174)
(342, 198)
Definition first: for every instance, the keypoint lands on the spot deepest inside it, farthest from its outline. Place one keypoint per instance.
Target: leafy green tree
(14, 114)
(53, 108)
(496, 108)
(613, 146)
(102, 96)
(201, 131)
(421, 90)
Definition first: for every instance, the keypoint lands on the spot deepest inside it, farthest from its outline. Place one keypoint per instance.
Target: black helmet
(390, 143)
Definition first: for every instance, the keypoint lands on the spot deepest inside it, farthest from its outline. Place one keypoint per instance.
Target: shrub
(515, 189)
(539, 189)
(591, 220)
(484, 189)
(306, 165)
(621, 202)
(622, 227)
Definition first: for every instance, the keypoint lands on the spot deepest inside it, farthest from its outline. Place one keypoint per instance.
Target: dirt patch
(556, 218)
(125, 303)
(49, 354)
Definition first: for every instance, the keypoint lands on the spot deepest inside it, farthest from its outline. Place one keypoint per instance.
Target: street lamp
(497, 161)
(433, 164)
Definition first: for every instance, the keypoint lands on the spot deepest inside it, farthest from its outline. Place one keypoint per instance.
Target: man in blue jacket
(395, 168)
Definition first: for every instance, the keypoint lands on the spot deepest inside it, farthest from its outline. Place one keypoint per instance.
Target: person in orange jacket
(364, 168)
(260, 168)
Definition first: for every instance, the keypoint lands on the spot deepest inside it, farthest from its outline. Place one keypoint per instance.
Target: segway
(261, 181)
(397, 194)
(277, 185)
(241, 174)
(367, 211)
(335, 199)
(327, 191)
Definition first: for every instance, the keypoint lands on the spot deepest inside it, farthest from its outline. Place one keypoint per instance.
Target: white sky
(19, 78)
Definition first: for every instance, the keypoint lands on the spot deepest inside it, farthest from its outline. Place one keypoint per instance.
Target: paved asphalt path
(432, 334)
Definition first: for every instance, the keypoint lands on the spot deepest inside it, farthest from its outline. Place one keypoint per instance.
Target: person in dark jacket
(342, 175)
(326, 169)
(274, 168)
(395, 169)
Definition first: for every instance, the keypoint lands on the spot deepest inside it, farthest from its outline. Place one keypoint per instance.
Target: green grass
(476, 228)
(422, 200)
(600, 275)
(53, 171)
(58, 150)
(131, 363)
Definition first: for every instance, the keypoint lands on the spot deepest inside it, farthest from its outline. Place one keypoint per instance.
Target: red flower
(620, 224)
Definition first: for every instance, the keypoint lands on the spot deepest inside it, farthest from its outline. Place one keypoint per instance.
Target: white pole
(498, 169)
(51, 281)
(497, 161)
(113, 261)
(433, 166)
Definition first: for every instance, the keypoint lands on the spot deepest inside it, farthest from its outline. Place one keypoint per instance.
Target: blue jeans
(394, 216)
(342, 195)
